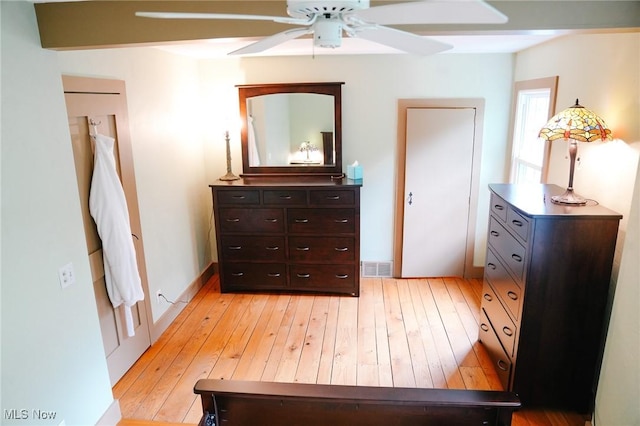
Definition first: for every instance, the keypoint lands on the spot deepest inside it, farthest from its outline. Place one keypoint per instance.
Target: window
(534, 105)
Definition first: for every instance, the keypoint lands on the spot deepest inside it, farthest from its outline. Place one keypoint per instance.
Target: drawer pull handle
(302, 248)
(341, 220)
(484, 327)
(238, 197)
(342, 249)
(302, 220)
(237, 274)
(273, 248)
(495, 233)
(488, 297)
(491, 265)
(303, 275)
(512, 295)
(235, 219)
(273, 275)
(333, 197)
(516, 257)
(503, 365)
(271, 220)
(506, 330)
(498, 207)
(342, 276)
(516, 222)
(285, 197)
(235, 247)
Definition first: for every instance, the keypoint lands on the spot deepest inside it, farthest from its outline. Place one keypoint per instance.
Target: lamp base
(568, 198)
(228, 177)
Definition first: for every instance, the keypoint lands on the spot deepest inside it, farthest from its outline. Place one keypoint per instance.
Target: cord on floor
(171, 301)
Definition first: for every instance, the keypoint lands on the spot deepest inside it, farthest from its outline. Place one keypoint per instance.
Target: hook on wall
(94, 125)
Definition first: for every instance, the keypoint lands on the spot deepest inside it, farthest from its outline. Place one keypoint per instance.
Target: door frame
(470, 271)
(75, 85)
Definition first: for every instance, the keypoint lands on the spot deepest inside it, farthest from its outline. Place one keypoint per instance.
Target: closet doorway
(439, 146)
(103, 103)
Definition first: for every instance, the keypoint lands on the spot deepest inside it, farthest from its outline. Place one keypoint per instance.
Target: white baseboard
(112, 416)
(173, 311)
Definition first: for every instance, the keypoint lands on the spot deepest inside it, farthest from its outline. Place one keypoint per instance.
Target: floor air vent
(376, 269)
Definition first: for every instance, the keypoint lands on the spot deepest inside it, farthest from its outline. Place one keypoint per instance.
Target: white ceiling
(219, 48)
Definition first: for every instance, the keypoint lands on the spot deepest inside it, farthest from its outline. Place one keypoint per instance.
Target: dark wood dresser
(546, 284)
(288, 234)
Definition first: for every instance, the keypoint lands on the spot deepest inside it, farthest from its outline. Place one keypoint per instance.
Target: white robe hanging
(108, 208)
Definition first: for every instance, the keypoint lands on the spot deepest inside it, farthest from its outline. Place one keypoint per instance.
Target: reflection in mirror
(291, 128)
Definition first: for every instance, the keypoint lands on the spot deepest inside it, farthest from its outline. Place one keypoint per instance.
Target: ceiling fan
(328, 19)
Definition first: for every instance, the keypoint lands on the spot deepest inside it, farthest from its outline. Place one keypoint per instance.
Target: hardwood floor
(402, 333)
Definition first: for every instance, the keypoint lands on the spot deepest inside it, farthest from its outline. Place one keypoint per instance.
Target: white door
(103, 102)
(439, 160)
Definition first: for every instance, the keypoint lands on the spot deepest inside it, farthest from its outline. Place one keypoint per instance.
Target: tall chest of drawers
(284, 234)
(545, 294)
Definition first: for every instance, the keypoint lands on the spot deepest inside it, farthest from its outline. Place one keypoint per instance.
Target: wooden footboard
(229, 403)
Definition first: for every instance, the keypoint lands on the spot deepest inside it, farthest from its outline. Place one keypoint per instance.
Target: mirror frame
(247, 91)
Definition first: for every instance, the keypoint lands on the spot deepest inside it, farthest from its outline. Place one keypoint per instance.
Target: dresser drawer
(321, 249)
(502, 324)
(326, 277)
(321, 221)
(239, 247)
(507, 248)
(254, 275)
(498, 207)
(236, 196)
(251, 220)
(501, 361)
(332, 197)
(518, 223)
(284, 197)
(506, 288)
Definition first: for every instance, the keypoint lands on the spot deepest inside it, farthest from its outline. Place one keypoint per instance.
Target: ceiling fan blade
(402, 40)
(271, 41)
(432, 12)
(188, 15)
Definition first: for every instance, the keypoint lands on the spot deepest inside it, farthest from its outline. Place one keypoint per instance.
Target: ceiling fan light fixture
(333, 8)
(327, 33)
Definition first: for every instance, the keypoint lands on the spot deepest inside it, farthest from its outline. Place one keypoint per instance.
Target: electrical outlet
(158, 294)
(66, 275)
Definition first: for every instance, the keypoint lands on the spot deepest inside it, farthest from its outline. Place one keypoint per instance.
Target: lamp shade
(576, 123)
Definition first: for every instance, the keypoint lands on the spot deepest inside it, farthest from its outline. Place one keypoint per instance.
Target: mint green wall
(52, 354)
(619, 385)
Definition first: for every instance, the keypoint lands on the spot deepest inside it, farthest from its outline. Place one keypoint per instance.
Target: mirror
(291, 128)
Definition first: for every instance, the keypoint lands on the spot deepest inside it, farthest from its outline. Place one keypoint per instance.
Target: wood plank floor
(398, 333)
